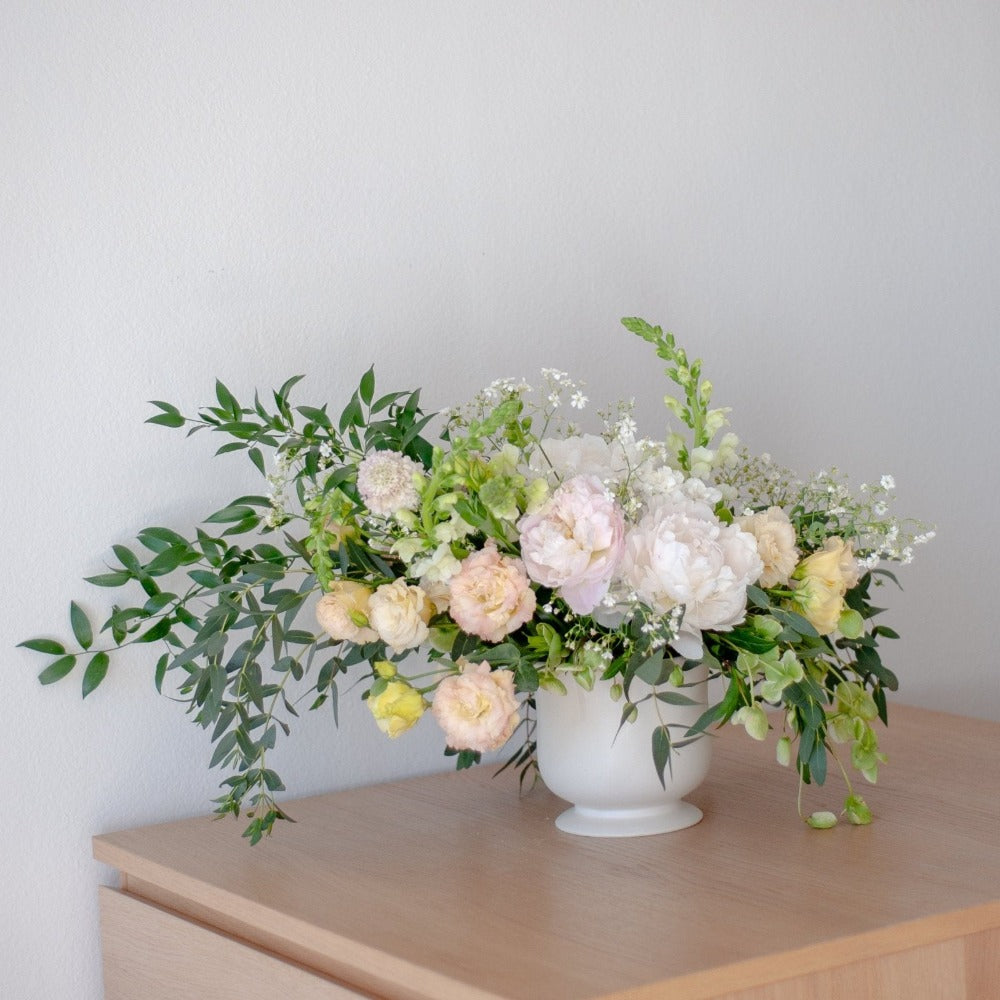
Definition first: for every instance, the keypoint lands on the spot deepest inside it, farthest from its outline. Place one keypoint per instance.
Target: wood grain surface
(453, 886)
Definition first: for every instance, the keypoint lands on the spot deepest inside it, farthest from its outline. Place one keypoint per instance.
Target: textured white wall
(806, 193)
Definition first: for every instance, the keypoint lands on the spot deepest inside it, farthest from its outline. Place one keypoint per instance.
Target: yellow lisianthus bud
(396, 708)
(385, 669)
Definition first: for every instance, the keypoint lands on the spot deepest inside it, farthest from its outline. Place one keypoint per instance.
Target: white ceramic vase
(611, 779)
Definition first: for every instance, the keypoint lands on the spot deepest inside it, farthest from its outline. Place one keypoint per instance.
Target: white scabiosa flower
(385, 482)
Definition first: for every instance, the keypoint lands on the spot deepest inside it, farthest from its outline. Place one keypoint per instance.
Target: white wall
(806, 193)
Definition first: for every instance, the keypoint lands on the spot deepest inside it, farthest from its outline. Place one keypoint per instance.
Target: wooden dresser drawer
(152, 954)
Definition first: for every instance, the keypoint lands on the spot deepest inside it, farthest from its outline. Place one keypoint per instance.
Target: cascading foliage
(517, 551)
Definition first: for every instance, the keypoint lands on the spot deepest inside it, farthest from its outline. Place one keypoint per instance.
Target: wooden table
(452, 887)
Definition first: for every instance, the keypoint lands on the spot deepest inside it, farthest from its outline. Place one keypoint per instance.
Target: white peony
(680, 553)
(584, 455)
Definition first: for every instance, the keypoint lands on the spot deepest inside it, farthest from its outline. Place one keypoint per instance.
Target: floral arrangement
(516, 553)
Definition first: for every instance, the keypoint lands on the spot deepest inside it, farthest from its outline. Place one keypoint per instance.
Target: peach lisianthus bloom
(775, 536)
(342, 612)
(476, 709)
(490, 594)
(399, 613)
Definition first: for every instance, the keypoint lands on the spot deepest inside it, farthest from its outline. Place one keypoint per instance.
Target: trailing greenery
(369, 543)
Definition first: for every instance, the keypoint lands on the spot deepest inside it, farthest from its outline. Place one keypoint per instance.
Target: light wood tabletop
(454, 886)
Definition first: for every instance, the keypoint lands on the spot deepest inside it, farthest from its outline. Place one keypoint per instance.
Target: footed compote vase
(607, 772)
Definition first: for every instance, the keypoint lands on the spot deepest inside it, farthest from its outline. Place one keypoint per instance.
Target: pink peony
(477, 709)
(490, 594)
(574, 543)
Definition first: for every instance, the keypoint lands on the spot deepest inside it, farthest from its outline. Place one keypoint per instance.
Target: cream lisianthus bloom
(821, 581)
(342, 612)
(775, 536)
(396, 708)
(477, 708)
(399, 613)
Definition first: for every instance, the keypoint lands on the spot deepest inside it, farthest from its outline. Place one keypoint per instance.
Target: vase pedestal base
(628, 822)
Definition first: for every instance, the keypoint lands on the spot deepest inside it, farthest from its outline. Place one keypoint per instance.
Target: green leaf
(127, 558)
(161, 670)
(316, 415)
(166, 407)
(525, 677)
(367, 387)
(158, 539)
(661, 752)
(81, 625)
(751, 641)
(157, 631)
(272, 781)
(95, 672)
(57, 669)
(44, 646)
(258, 460)
(226, 399)
(235, 512)
(817, 762)
(674, 698)
(117, 579)
(166, 420)
(869, 662)
(167, 561)
(351, 414)
(223, 748)
(795, 621)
